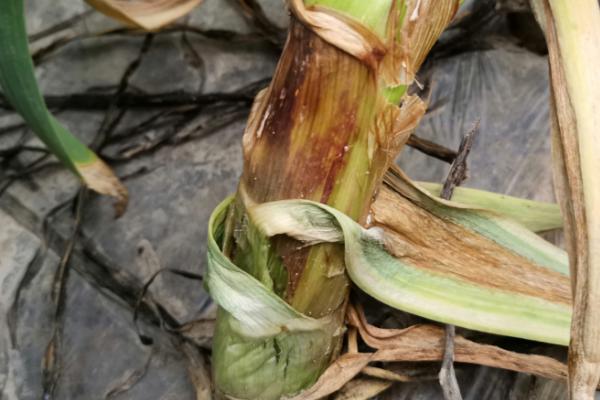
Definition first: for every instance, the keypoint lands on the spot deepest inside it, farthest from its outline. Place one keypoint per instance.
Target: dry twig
(457, 174)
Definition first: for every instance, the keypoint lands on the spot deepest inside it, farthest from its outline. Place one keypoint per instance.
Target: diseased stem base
(308, 137)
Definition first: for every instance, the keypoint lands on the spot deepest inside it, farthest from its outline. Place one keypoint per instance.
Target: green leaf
(19, 86)
(394, 281)
(258, 312)
(257, 327)
(535, 215)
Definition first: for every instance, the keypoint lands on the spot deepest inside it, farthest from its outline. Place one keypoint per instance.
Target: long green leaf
(265, 330)
(391, 280)
(19, 86)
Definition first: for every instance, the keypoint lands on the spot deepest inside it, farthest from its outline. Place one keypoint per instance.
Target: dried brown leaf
(198, 371)
(410, 39)
(572, 35)
(336, 376)
(99, 177)
(362, 389)
(425, 343)
(342, 32)
(149, 15)
(385, 374)
(450, 249)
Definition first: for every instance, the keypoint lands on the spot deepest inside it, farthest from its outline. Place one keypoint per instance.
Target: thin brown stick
(432, 149)
(458, 170)
(52, 363)
(457, 174)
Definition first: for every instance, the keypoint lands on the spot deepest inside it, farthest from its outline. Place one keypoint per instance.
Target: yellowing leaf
(534, 215)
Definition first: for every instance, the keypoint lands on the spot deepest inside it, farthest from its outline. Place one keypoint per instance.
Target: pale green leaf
(535, 215)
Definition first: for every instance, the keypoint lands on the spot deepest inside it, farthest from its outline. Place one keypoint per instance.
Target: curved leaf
(534, 215)
(411, 283)
(149, 15)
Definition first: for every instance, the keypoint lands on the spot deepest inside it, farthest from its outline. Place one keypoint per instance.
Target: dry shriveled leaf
(362, 389)
(426, 343)
(336, 376)
(342, 32)
(149, 15)
(385, 374)
(412, 35)
(424, 236)
(417, 343)
(198, 371)
(573, 37)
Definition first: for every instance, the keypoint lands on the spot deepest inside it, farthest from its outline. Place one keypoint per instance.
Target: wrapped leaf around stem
(324, 130)
(468, 282)
(530, 301)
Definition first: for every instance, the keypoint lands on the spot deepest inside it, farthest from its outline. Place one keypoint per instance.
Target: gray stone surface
(170, 204)
(18, 248)
(175, 186)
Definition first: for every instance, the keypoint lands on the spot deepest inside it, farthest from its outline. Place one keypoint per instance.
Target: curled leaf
(337, 375)
(451, 265)
(149, 15)
(262, 329)
(341, 31)
(426, 343)
(362, 389)
(257, 312)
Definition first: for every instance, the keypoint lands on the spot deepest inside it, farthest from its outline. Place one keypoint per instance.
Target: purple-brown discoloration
(315, 110)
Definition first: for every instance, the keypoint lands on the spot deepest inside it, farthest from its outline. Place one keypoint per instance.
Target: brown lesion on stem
(314, 108)
(311, 130)
(323, 131)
